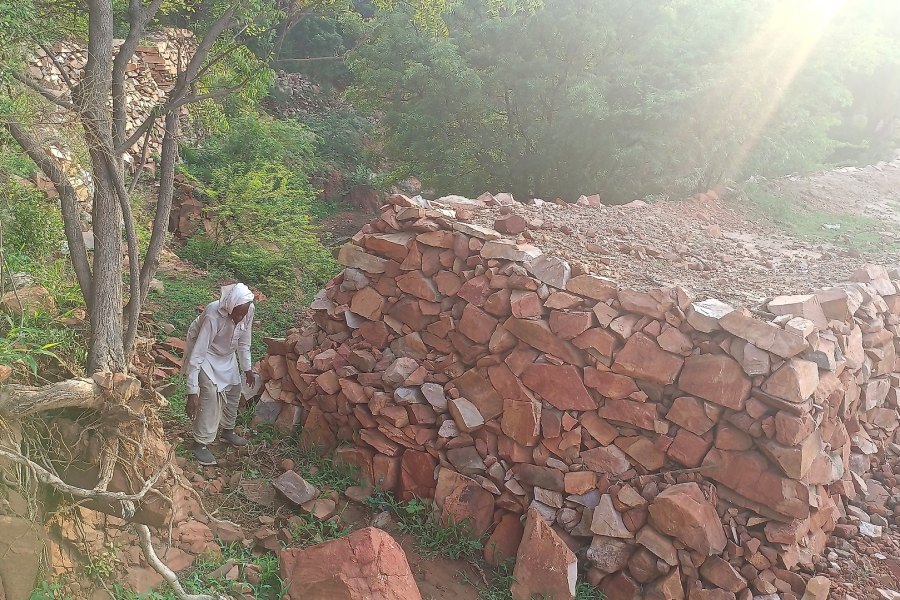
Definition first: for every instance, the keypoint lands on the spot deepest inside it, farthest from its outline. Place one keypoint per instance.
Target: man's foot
(228, 435)
(204, 456)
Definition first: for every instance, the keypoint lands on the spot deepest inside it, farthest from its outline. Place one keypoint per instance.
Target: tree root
(160, 567)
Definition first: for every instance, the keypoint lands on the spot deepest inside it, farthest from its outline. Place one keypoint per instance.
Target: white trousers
(216, 409)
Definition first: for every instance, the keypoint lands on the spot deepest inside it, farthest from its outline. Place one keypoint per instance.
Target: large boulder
(366, 565)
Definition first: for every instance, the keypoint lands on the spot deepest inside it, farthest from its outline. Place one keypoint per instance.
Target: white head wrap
(234, 296)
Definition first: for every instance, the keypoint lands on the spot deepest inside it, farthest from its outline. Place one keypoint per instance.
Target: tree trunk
(107, 352)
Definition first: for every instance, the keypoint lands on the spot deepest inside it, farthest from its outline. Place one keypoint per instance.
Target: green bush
(31, 224)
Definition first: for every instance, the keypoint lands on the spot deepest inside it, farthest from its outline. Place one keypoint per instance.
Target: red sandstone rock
(521, 421)
(476, 325)
(463, 501)
(610, 385)
(795, 381)
(417, 475)
(568, 325)
(561, 386)
(503, 543)
(717, 378)
(511, 224)
(693, 414)
(544, 564)
(639, 414)
(539, 335)
(366, 565)
(606, 460)
(682, 512)
(643, 359)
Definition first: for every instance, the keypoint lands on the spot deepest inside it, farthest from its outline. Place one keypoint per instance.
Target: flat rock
(295, 488)
(683, 512)
(717, 378)
(560, 385)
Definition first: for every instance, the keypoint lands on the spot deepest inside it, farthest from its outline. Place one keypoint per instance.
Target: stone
(762, 335)
(28, 301)
(525, 305)
(481, 393)
(521, 421)
(592, 286)
(608, 459)
(511, 224)
(598, 429)
(642, 358)
(545, 566)
(391, 245)
(560, 385)
(5, 373)
(621, 585)
(704, 316)
(503, 543)
(226, 531)
(419, 285)
(717, 378)
(461, 500)
(601, 341)
(465, 414)
(434, 394)
(688, 449)
(367, 303)
(538, 335)
(693, 414)
(538, 476)
(682, 511)
(839, 304)
(817, 588)
(353, 256)
(721, 574)
(550, 270)
(580, 482)
(399, 371)
(417, 475)
(755, 361)
(476, 231)
(509, 250)
(667, 587)
(806, 306)
(658, 544)
(607, 521)
(610, 385)
(748, 474)
(570, 324)
(795, 381)
(650, 304)
(21, 549)
(367, 564)
(795, 461)
(609, 554)
(639, 414)
(645, 453)
(296, 489)
(476, 324)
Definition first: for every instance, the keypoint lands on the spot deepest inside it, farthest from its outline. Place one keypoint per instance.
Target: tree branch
(163, 204)
(68, 204)
(184, 81)
(47, 94)
(138, 18)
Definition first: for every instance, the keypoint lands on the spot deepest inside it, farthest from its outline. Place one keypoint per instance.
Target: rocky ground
(725, 248)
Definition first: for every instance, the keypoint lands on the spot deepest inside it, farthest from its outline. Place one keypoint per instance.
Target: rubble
(685, 448)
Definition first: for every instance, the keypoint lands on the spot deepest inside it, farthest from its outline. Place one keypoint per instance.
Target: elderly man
(213, 379)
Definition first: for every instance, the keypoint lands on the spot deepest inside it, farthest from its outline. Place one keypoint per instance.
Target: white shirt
(211, 343)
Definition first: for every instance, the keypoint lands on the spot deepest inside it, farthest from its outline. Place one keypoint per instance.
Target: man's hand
(193, 402)
(248, 377)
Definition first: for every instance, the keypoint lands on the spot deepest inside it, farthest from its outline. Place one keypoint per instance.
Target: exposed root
(171, 578)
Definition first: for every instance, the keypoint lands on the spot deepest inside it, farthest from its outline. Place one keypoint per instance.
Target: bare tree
(97, 103)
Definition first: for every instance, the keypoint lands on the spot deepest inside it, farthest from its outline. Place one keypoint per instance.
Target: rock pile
(150, 75)
(681, 447)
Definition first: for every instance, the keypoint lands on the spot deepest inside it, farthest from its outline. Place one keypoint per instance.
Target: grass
(197, 580)
(36, 343)
(319, 469)
(433, 538)
(309, 531)
(855, 231)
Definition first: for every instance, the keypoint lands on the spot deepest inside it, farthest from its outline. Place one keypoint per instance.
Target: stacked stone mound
(150, 75)
(681, 447)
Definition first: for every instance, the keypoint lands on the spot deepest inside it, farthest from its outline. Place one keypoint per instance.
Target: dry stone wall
(681, 447)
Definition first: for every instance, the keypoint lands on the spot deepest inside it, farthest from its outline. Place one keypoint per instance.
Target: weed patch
(307, 531)
(433, 538)
(850, 230)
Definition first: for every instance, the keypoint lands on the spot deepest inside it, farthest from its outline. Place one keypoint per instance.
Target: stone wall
(682, 447)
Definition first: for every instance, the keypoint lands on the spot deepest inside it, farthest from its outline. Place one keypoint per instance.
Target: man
(213, 379)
